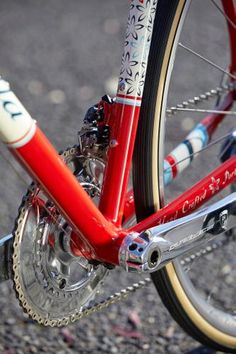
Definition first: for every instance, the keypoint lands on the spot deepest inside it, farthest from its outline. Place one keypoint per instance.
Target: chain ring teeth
(21, 221)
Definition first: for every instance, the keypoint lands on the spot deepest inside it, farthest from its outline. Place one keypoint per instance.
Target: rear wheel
(199, 295)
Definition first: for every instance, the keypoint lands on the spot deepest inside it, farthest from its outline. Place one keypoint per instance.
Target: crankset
(51, 283)
(150, 250)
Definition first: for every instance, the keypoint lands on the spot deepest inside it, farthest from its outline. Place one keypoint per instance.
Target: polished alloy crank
(152, 249)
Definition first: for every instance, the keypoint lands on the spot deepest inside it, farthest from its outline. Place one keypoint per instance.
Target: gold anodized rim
(193, 314)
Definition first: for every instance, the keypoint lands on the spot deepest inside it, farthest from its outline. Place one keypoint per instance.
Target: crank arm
(155, 247)
(4, 257)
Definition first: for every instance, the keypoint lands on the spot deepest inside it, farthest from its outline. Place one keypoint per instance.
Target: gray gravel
(60, 57)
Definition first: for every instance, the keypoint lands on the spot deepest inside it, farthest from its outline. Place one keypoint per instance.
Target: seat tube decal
(16, 125)
(136, 50)
(127, 107)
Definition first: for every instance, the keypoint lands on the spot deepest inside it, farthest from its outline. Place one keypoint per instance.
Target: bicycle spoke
(191, 259)
(212, 111)
(205, 96)
(214, 288)
(228, 19)
(226, 147)
(200, 151)
(206, 60)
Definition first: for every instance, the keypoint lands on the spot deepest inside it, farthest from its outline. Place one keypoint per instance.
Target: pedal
(152, 249)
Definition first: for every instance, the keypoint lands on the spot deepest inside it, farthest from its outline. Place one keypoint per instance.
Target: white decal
(214, 186)
(188, 206)
(167, 218)
(191, 237)
(228, 176)
(16, 125)
(137, 45)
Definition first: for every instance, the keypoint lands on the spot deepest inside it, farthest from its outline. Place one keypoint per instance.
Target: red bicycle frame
(98, 233)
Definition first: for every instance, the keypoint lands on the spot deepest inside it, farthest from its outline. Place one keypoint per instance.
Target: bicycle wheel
(187, 293)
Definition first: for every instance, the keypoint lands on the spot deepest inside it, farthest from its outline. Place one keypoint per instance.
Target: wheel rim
(181, 284)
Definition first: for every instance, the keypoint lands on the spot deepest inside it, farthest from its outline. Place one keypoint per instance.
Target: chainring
(52, 285)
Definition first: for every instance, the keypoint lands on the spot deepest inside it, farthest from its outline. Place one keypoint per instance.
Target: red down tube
(46, 167)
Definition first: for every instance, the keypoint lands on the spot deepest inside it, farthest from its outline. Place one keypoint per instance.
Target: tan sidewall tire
(204, 331)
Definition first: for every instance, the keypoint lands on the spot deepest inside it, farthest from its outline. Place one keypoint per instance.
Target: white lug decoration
(137, 45)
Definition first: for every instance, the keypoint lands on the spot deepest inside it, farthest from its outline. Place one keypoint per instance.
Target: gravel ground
(60, 57)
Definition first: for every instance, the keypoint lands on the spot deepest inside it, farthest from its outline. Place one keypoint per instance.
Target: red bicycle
(80, 218)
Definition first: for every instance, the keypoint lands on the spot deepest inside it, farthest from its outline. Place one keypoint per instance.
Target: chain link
(205, 251)
(112, 299)
(202, 97)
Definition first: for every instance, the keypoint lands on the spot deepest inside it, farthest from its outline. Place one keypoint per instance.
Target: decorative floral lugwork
(137, 46)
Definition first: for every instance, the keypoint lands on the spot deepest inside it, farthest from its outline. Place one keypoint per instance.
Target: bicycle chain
(202, 97)
(204, 251)
(123, 293)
